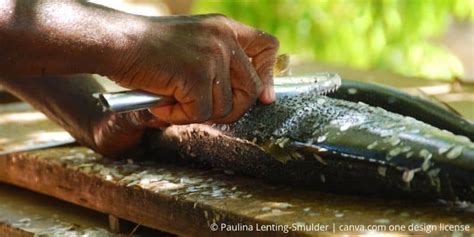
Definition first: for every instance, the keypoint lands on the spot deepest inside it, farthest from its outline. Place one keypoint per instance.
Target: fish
(330, 144)
(399, 102)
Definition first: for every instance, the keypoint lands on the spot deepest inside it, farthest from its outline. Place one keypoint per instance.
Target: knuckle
(273, 41)
(200, 76)
(217, 16)
(217, 25)
(217, 49)
(269, 40)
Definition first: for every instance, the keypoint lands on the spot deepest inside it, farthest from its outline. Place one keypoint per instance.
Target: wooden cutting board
(183, 200)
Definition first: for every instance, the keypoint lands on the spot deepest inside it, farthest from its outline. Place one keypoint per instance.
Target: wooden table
(25, 213)
(189, 201)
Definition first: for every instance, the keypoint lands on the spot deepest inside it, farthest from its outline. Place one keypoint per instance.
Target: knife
(132, 100)
(125, 101)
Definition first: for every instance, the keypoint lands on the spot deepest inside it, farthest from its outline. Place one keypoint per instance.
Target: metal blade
(126, 101)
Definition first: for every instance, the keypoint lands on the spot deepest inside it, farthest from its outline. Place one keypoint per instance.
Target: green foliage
(388, 34)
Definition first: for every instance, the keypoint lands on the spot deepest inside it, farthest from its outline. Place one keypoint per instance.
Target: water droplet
(455, 152)
(233, 52)
(323, 178)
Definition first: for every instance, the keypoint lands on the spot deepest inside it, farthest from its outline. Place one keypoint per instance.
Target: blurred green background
(392, 35)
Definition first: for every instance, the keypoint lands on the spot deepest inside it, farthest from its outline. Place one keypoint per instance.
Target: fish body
(397, 101)
(332, 144)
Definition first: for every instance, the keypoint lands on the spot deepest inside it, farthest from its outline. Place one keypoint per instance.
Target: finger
(263, 64)
(221, 95)
(194, 105)
(246, 86)
(156, 123)
(153, 122)
(136, 120)
(262, 48)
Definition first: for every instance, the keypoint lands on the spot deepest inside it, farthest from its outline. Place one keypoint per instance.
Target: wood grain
(184, 200)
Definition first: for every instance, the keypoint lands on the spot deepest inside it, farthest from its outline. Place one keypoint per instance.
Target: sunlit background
(433, 39)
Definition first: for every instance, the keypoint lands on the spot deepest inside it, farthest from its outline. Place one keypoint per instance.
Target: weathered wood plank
(9, 231)
(186, 201)
(24, 213)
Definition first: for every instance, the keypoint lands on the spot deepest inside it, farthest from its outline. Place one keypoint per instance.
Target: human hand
(113, 134)
(213, 66)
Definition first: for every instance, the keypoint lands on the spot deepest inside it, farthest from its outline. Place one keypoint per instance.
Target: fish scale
(352, 143)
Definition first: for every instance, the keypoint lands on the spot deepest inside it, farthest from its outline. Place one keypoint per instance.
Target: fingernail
(270, 94)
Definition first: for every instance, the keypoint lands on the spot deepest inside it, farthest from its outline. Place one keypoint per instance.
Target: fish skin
(327, 144)
(399, 102)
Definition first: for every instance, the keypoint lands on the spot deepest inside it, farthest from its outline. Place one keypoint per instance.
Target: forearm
(39, 37)
(67, 101)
